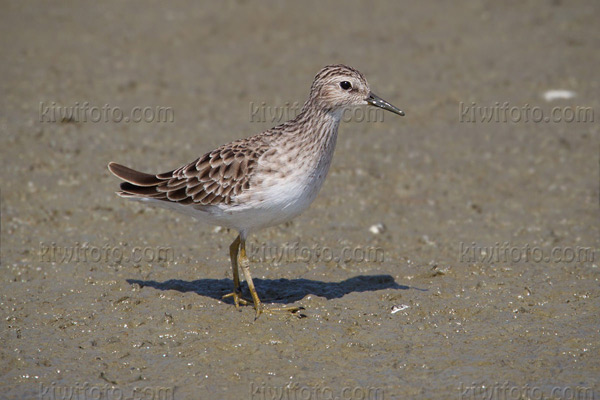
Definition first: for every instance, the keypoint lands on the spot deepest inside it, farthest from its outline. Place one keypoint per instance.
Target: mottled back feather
(215, 178)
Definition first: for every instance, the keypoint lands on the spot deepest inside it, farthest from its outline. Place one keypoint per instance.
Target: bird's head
(337, 87)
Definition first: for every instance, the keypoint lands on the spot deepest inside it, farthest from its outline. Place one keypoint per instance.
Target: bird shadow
(279, 290)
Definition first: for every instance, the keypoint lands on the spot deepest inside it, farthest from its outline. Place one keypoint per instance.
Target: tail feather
(137, 184)
(139, 190)
(132, 176)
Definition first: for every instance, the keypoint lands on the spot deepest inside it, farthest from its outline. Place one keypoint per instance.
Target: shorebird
(263, 180)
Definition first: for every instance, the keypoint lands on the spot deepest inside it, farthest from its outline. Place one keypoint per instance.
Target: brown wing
(215, 178)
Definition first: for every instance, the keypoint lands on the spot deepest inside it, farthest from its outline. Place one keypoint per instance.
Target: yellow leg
(244, 263)
(237, 292)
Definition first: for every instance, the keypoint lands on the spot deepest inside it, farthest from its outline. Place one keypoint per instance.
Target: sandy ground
(460, 295)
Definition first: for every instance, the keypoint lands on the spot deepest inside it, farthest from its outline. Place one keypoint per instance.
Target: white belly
(283, 194)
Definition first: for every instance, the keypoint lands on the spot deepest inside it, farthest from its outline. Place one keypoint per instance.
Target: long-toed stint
(263, 180)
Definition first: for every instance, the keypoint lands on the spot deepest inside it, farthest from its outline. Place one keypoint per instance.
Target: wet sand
(426, 266)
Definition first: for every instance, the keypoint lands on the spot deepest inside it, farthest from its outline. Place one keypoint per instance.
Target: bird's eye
(345, 85)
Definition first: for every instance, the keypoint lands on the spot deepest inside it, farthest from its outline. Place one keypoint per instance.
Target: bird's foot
(237, 299)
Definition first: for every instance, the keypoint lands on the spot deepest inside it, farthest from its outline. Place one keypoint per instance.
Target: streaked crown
(338, 86)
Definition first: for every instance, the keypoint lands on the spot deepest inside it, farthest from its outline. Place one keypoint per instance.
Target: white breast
(288, 182)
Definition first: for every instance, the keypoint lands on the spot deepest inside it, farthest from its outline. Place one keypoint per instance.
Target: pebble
(550, 95)
(401, 307)
(377, 228)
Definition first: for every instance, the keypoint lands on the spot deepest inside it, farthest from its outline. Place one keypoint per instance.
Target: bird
(262, 180)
